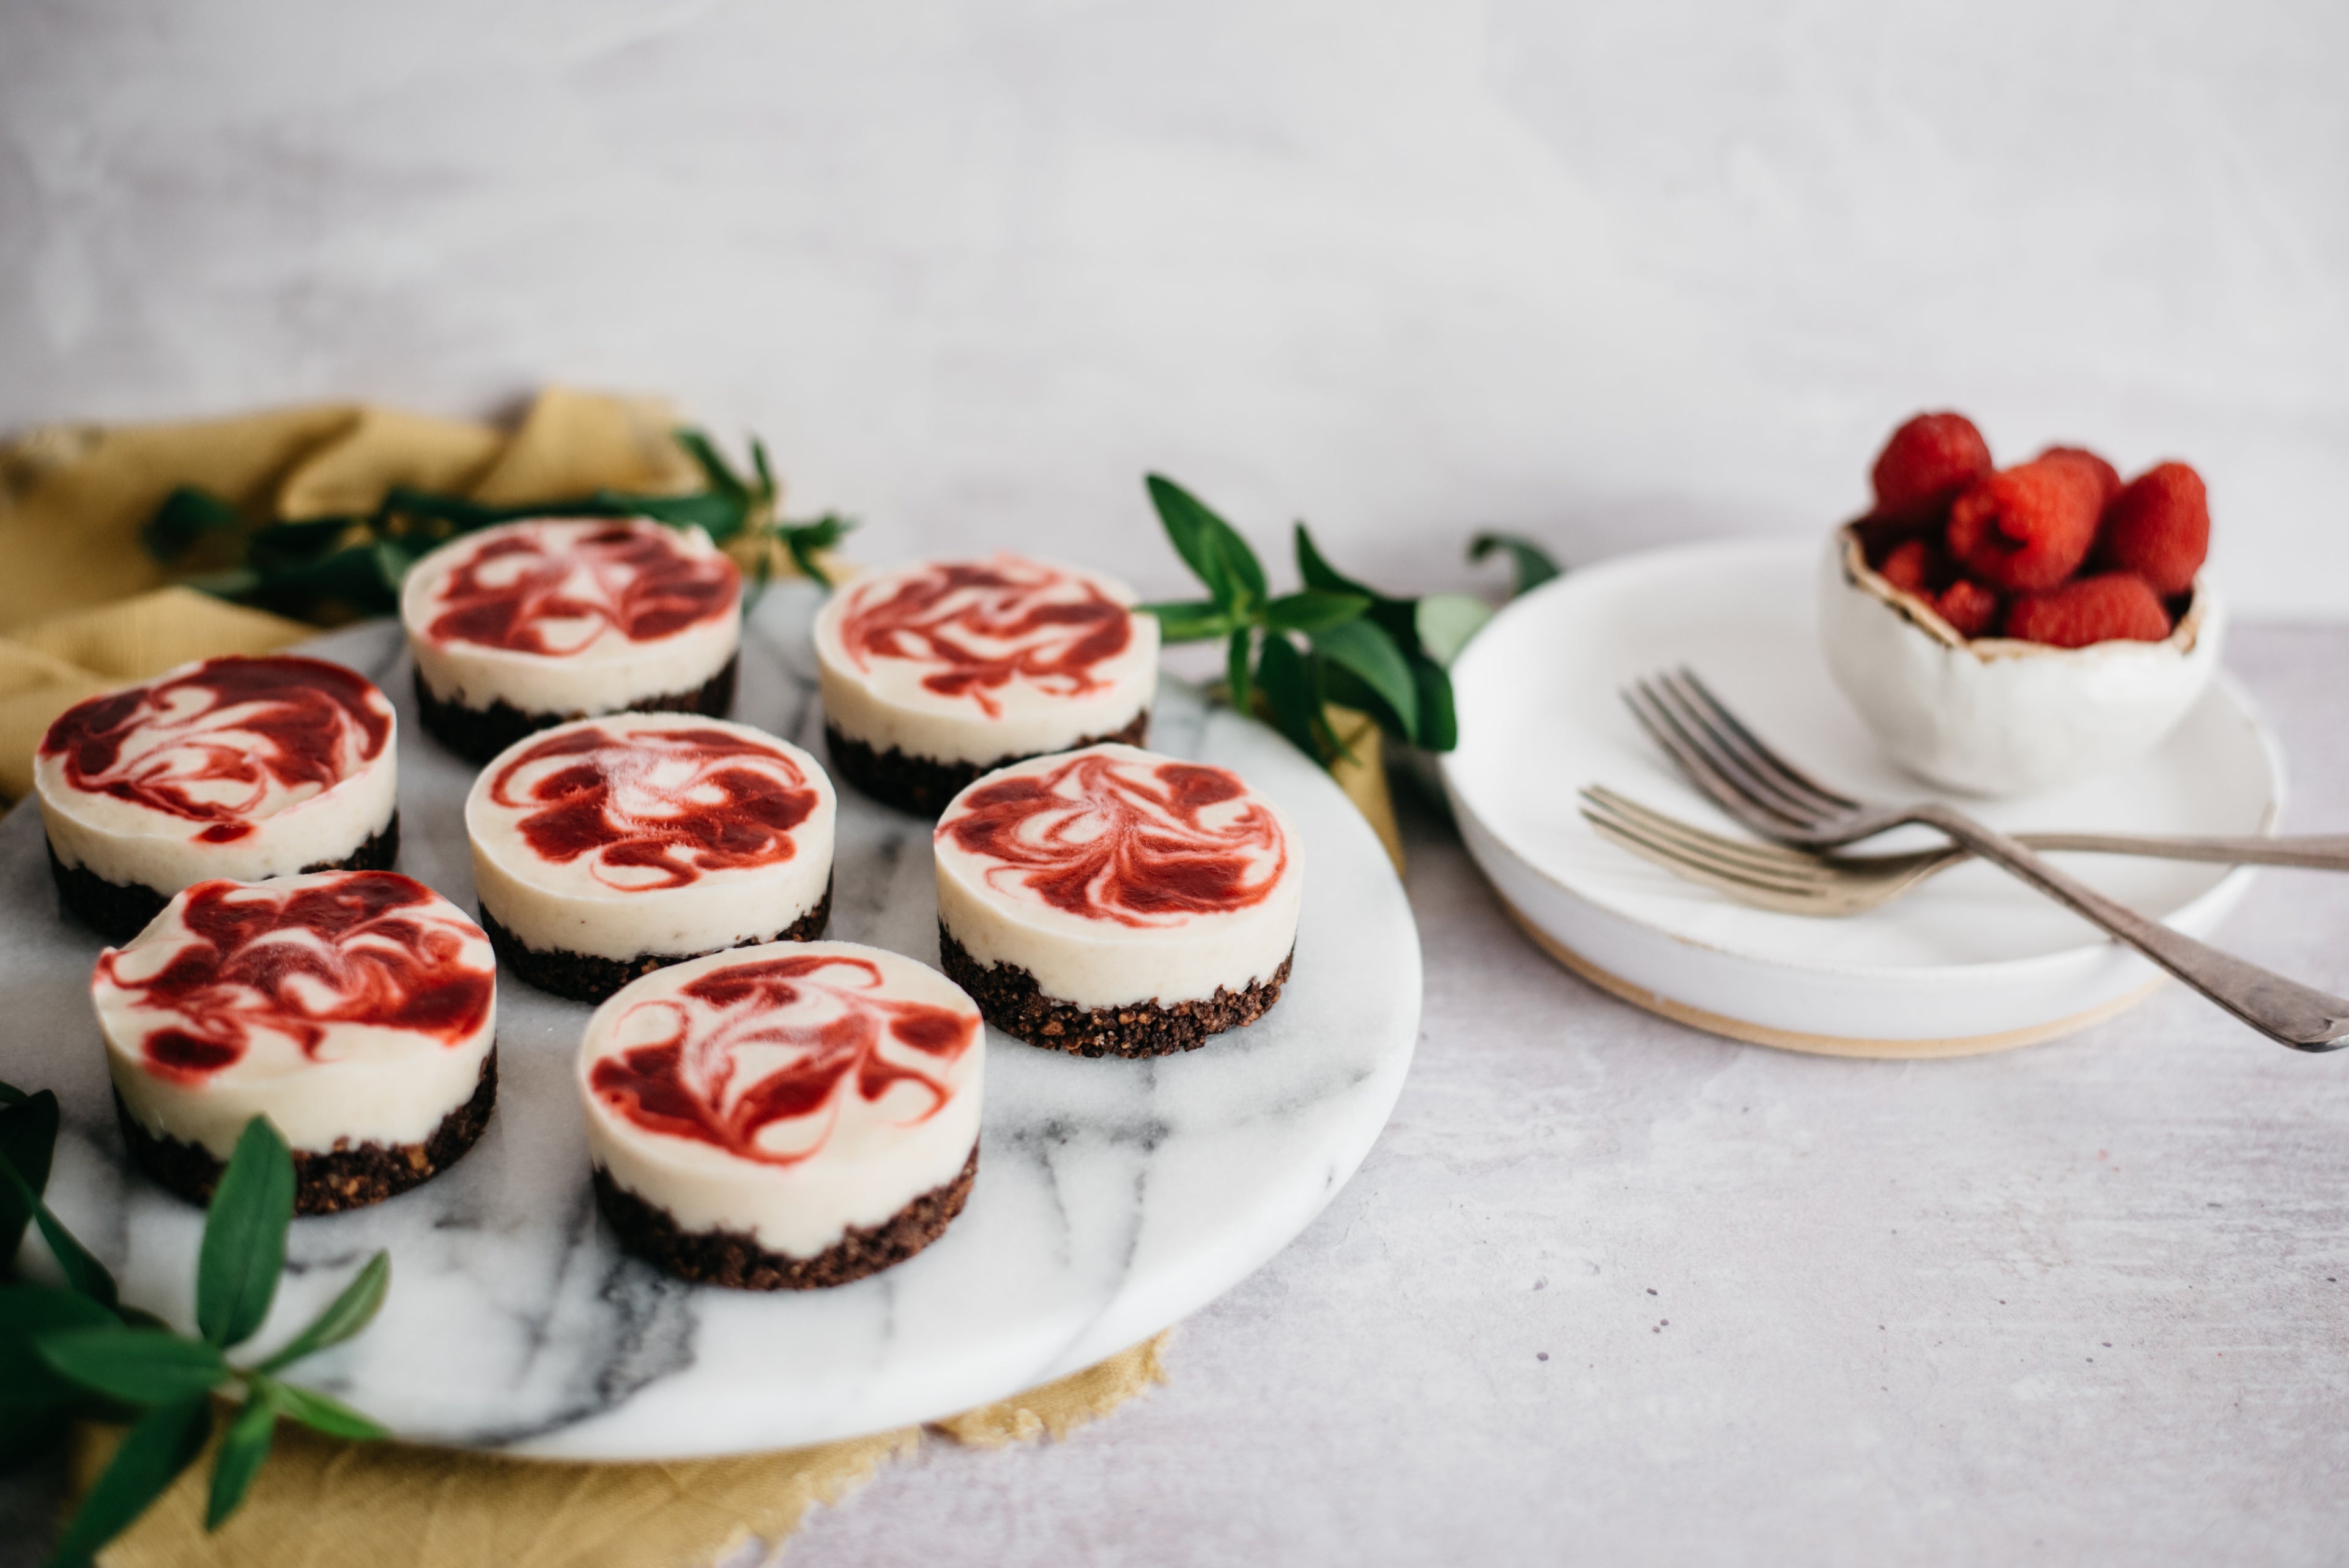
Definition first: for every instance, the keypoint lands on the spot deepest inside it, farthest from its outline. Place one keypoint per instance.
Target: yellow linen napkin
(321, 1503)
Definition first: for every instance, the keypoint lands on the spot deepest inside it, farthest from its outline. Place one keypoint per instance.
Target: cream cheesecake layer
(1115, 876)
(571, 615)
(649, 833)
(234, 767)
(974, 661)
(348, 1007)
(787, 1092)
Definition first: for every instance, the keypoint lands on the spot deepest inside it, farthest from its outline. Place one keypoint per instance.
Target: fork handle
(2284, 1010)
(2314, 852)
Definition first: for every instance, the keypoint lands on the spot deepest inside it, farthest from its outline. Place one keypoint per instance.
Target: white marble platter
(1114, 1198)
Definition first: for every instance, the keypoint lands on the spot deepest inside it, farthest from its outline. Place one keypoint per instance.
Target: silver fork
(1827, 886)
(1777, 799)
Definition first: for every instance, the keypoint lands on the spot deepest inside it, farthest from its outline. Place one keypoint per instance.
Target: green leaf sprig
(1362, 649)
(78, 1352)
(328, 568)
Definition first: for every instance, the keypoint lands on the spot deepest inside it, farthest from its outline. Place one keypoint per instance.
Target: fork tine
(1768, 858)
(1804, 805)
(1694, 764)
(1709, 873)
(1759, 751)
(1759, 791)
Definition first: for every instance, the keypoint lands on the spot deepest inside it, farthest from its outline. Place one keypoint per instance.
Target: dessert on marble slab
(355, 1009)
(783, 1117)
(606, 849)
(1112, 901)
(234, 767)
(523, 626)
(937, 672)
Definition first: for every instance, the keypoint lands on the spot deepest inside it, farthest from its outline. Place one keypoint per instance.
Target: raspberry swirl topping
(645, 806)
(761, 1058)
(977, 626)
(556, 588)
(295, 959)
(224, 742)
(1117, 835)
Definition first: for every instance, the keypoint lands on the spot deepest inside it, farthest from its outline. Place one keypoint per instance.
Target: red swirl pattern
(211, 744)
(554, 588)
(361, 947)
(1116, 838)
(986, 623)
(662, 807)
(820, 1021)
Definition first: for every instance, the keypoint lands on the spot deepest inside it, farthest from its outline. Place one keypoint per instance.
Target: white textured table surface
(2085, 1302)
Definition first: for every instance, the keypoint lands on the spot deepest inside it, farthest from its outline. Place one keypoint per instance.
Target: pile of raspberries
(2055, 551)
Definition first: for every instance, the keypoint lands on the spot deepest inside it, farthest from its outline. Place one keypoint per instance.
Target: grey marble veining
(1114, 1198)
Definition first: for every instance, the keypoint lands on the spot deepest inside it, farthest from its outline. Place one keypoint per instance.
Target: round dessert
(233, 767)
(937, 673)
(606, 849)
(355, 1009)
(783, 1117)
(1115, 902)
(525, 625)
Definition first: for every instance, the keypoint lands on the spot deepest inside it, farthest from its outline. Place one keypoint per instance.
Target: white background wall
(1612, 273)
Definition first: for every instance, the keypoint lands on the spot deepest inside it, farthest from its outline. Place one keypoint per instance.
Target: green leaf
(714, 468)
(1366, 651)
(1313, 610)
(348, 1313)
(1318, 573)
(1445, 623)
(187, 514)
(240, 1457)
(321, 1414)
(766, 488)
(83, 1272)
(10, 1094)
(1236, 670)
(1190, 620)
(1529, 565)
(28, 1137)
(1439, 722)
(1291, 692)
(27, 1312)
(1212, 549)
(165, 1442)
(803, 540)
(244, 1236)
(137, 1366)
(718, 513)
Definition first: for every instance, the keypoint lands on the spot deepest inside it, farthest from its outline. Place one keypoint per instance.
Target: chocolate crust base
(923, 785)
(119, 912)
(735, 1259)
(586, 978)
(329, 1181)
(1009, 998)
(477, 735)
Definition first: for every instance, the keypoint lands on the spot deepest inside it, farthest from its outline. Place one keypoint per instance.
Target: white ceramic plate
(1972, 962)
(1113, 1198)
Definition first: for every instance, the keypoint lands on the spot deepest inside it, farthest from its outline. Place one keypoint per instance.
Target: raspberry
(1923, 466)
(1971, 608)
(2026, 529)
(2115, 606)
(2109, 478)
(2159, 528)
(1919, 566)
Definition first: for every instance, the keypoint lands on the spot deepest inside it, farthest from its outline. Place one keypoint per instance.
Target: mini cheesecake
(606, 849)
(937, 673)
(234, 768)
(1115, 902)
(783, 1117)
(523, 626)
(355, 1009)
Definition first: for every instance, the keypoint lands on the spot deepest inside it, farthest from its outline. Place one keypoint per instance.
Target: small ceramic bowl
(1994, 716)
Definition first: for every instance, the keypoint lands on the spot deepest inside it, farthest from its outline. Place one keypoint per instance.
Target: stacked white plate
(1970, 961)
